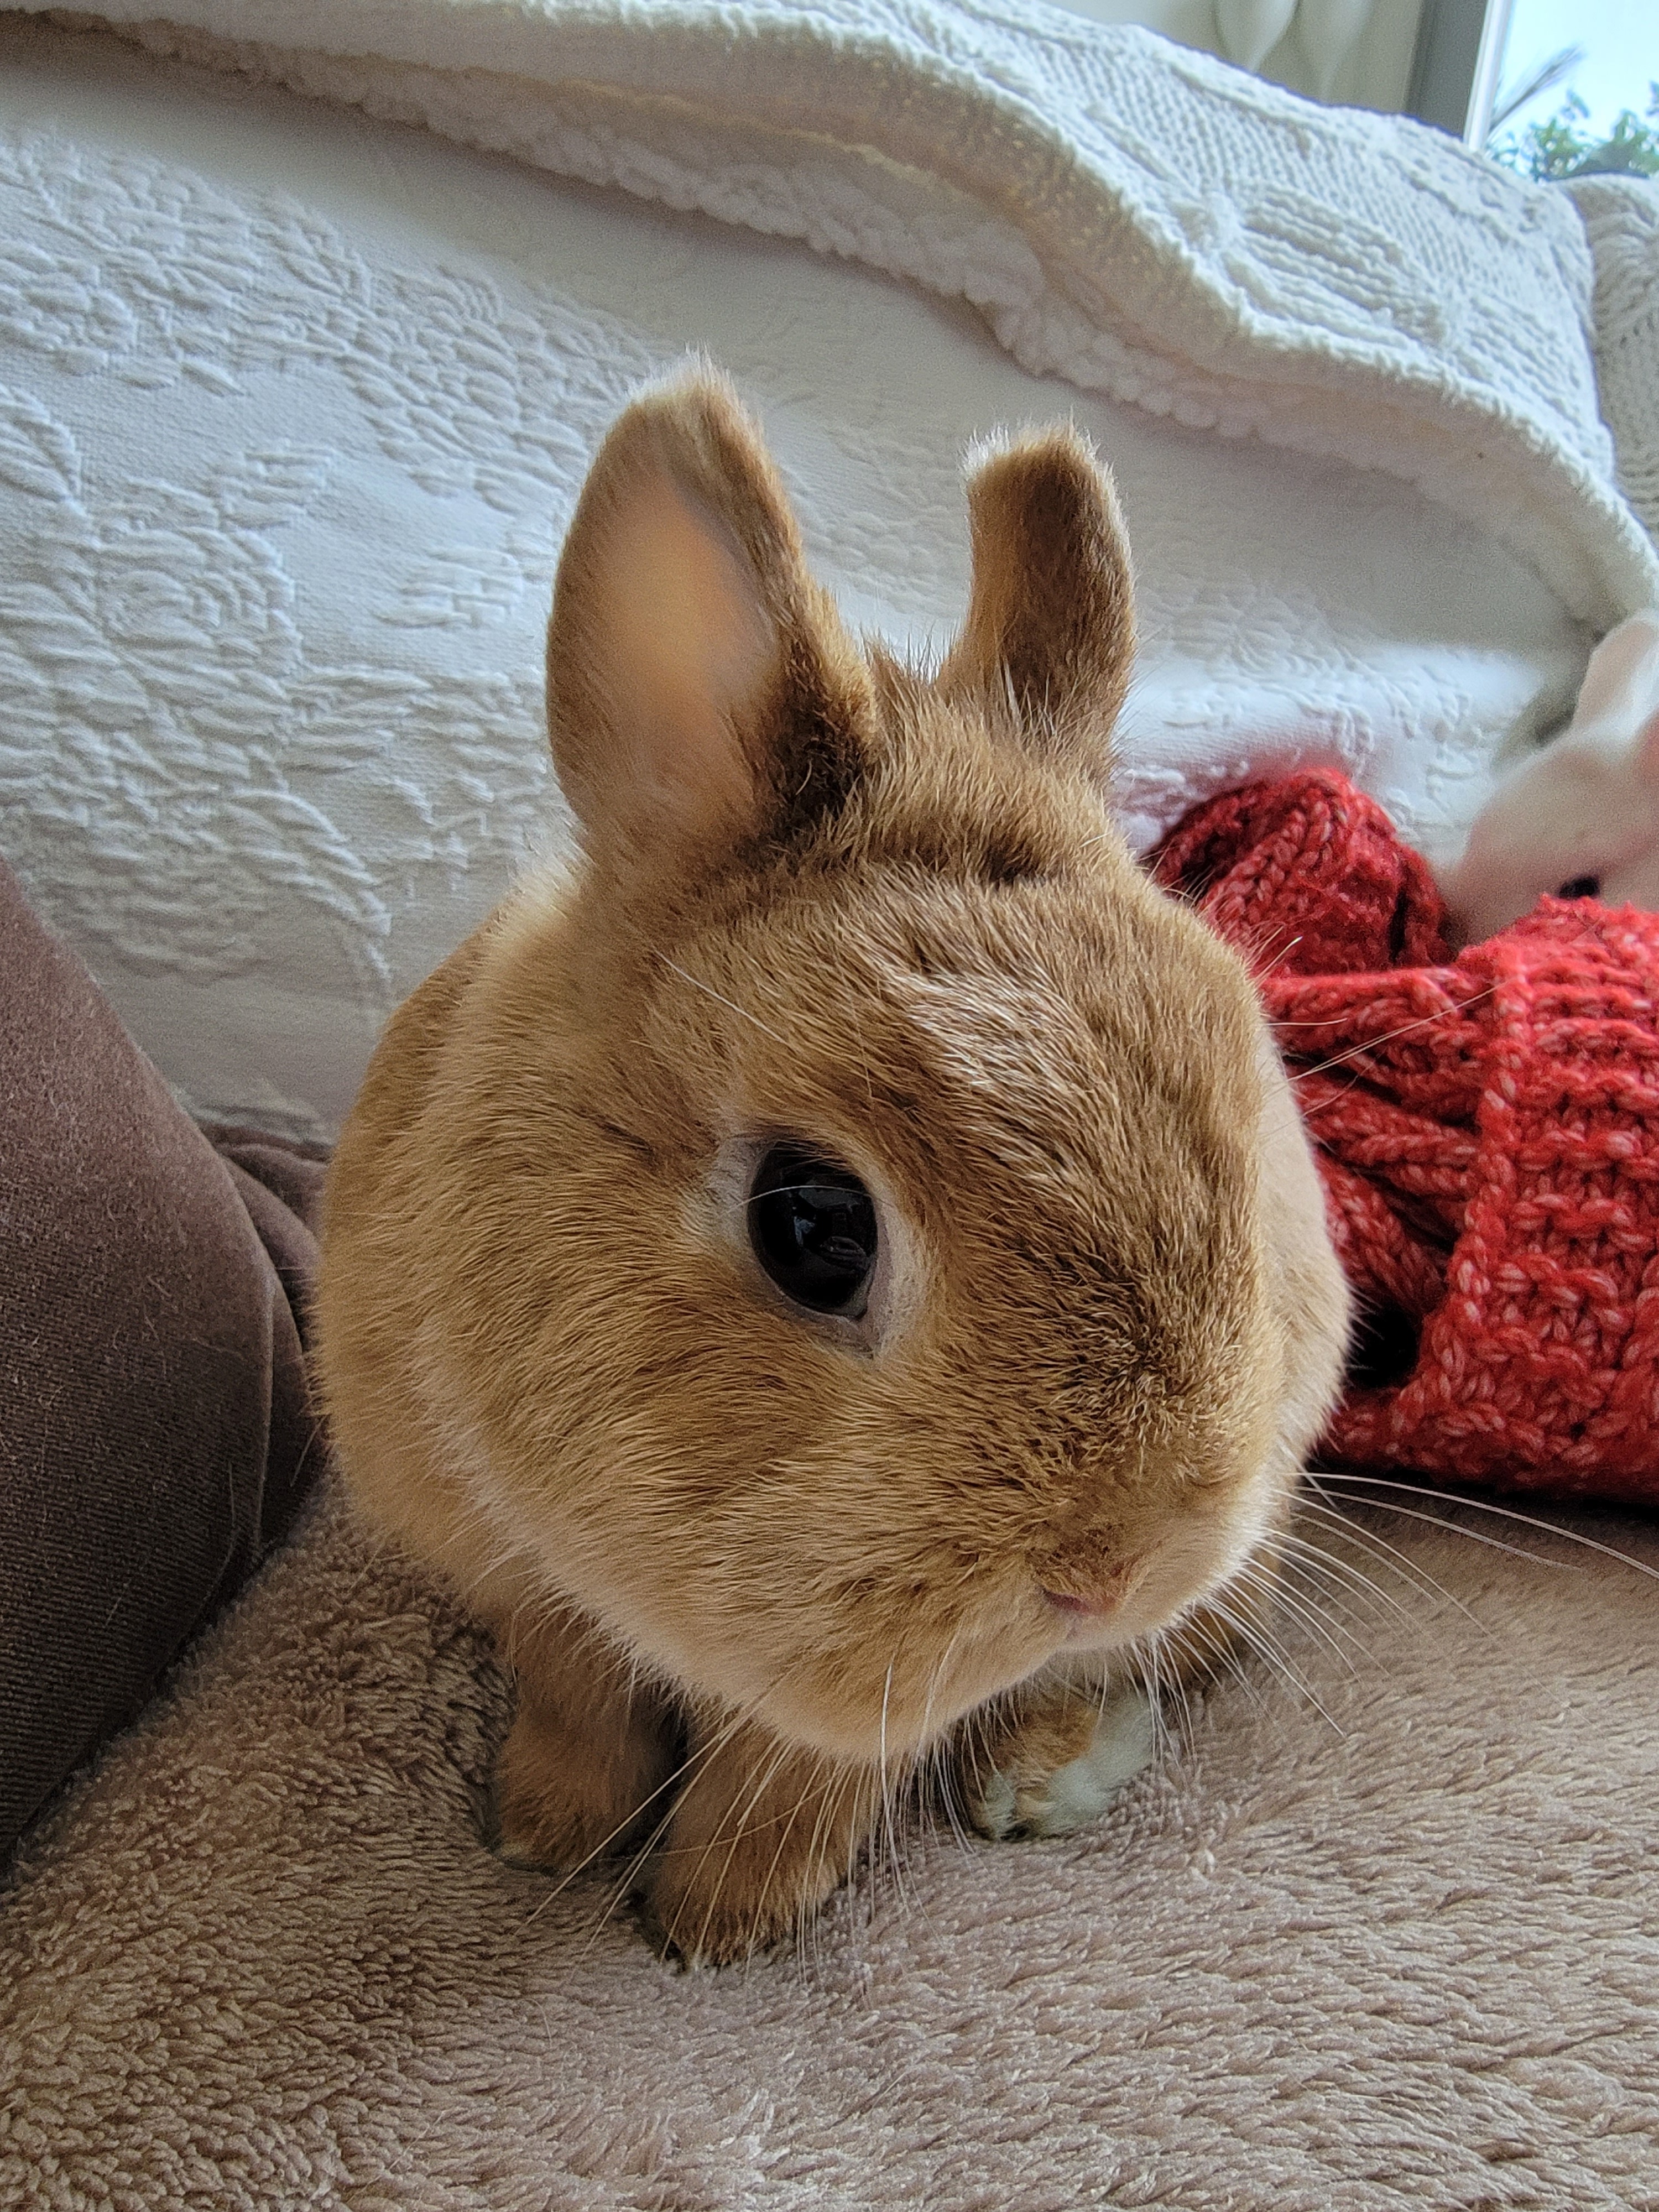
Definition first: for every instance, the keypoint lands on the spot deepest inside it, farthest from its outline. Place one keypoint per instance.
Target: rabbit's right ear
(701, 690)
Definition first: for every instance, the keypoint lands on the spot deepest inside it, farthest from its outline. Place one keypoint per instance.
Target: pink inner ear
(688, 646)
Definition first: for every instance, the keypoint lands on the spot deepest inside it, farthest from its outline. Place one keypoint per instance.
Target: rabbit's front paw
(714, 1903)
(564, 1794)
(1057, 1764)
(760, 1838)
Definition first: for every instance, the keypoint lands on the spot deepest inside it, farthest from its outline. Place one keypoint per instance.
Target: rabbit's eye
(1581, 887)
(812, 1225)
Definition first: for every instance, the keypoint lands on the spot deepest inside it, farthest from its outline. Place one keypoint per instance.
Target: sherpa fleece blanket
(1377, 1936)
(1376, 1932)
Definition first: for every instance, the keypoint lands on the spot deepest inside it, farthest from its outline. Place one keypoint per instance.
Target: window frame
(1455, 64)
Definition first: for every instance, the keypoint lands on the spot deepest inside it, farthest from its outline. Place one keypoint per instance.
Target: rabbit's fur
(748, 1557)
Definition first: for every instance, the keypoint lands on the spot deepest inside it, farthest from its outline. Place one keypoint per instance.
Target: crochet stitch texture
(1487, 1128)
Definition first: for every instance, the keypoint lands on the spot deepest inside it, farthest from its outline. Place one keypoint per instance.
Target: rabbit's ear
(701, 690)
(1051, 626)
(1621, 683)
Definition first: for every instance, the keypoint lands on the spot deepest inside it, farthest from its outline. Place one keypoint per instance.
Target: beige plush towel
(1398, 1952)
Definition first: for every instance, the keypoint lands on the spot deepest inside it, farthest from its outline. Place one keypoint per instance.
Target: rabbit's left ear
(1050, 626)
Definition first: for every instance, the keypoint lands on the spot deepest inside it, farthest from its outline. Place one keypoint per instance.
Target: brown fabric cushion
(155, 1433)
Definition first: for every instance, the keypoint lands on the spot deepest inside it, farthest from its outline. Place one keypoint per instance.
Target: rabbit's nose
(1093, 1595)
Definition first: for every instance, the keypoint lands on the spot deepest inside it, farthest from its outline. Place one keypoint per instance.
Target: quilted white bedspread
(293, 406)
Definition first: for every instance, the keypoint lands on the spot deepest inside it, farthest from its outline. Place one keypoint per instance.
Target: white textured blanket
(1142, 221)
(294, 407)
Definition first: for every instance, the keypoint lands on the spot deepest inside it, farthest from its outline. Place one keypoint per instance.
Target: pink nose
(1095, 1596)
(1084, 1608)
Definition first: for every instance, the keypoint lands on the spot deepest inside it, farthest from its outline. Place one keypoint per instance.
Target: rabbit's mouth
(933, 1670)
(1103, 1586)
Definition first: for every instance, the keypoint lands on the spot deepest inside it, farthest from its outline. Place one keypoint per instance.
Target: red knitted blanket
(1487, 1128)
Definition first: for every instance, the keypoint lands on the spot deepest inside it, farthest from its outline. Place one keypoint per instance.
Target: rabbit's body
(745, 1549)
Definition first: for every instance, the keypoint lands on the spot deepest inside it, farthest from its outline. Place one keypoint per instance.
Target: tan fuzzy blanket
(1391, 1942)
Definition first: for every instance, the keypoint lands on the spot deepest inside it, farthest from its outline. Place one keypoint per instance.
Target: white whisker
(720, 998)
(1363, 1482)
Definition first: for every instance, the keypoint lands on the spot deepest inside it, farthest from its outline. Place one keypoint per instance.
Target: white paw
(1061, 1803)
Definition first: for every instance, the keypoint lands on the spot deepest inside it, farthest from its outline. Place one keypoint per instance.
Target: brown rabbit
(834, 1279)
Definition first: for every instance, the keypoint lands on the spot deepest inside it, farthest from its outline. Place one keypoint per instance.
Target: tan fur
(822, 898)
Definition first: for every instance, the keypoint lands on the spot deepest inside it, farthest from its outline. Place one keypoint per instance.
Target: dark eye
(1581, 887)
(812, 1225)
